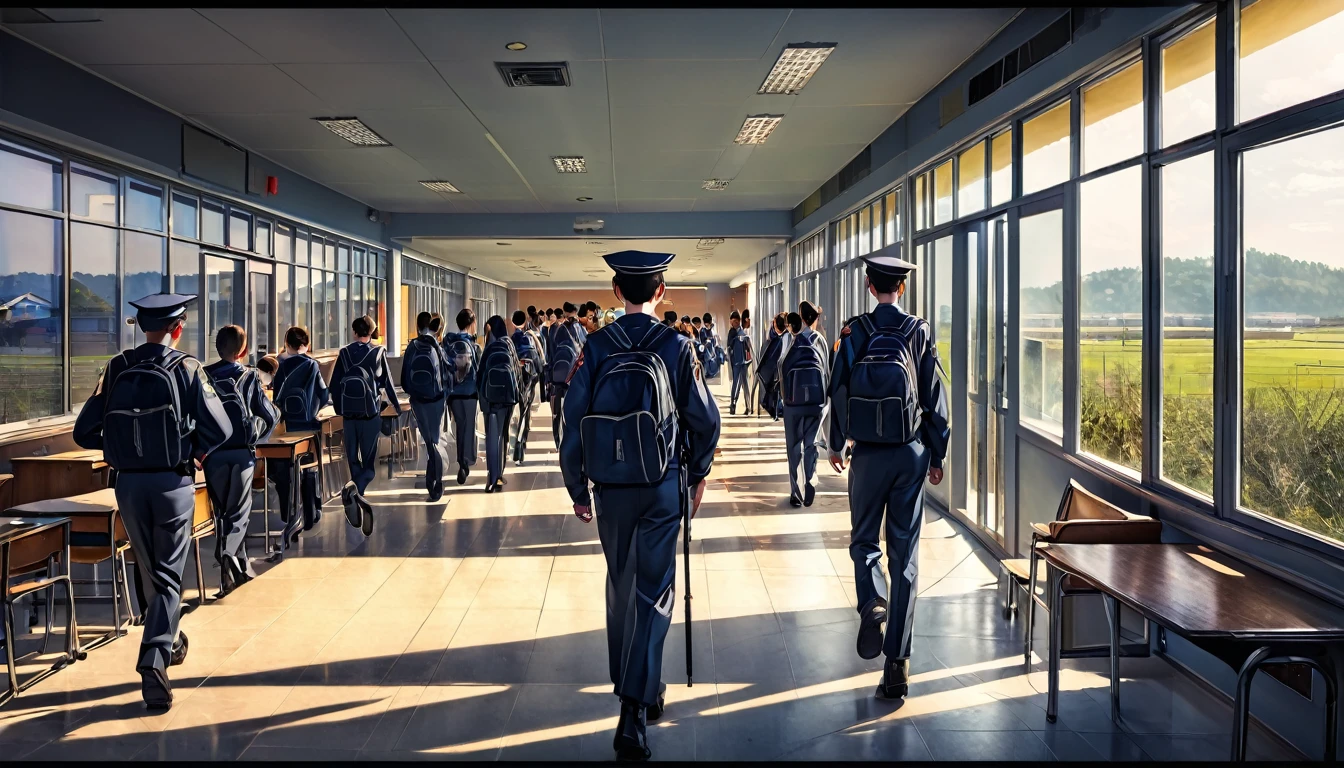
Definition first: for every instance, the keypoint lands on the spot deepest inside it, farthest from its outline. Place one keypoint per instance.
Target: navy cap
(888, 265)
(639, 262)
(157, 310)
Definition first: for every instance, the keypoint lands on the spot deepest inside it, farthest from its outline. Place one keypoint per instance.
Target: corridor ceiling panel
(655, 99)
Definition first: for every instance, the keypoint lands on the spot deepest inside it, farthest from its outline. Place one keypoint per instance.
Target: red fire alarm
(272, 185)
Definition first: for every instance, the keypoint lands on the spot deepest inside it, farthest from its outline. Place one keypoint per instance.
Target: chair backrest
(1085, 518)
(1078, 503)
(30, 553)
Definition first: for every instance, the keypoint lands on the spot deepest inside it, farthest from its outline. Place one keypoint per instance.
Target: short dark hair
(795, 322)
(592, 305)
(734, 315)
(584, 310)
(435, 323)
(569, 307)
(809, 312)
(465, 318)
(519, 317)
(229, 342)
(695, 320)
(423, 320)
(531, 310)
(708, 318)
(670, 316)
(268, 364)
(495, 327)
(746, 314)
(364, 326)
(781, 321)
(296, 336)
(550, 313)
(638, 289)
(884, 283)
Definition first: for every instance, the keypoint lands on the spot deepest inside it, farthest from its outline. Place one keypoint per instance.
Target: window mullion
(1072, 322)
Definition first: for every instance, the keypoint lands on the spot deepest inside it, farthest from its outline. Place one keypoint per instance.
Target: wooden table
(13, 530)
(1245, 617)
(287, 447)
(58, 475)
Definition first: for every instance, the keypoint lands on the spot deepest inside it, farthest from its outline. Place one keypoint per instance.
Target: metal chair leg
(51, 605)
(1056, 579)
(1241, 702)
(1113, 619)
(1031, 607)
(118, 564)
(10, 638)
(200, 573)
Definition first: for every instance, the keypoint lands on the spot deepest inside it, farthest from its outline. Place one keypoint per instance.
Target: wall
(686, 301)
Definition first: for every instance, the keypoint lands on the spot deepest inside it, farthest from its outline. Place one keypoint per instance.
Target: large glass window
(1045, 149)
(921, 196)
(971, 180)
(1041, 307)
(184, 216)
(1113, 119)
(300, 246)
(865, 227)
(32, 280)
(304, 294)
(284, 243)
(1110, 348)
(144, 205)
(1188, 97)
(240, 230)
(1292, 420)
(893, 216)
(284, 295)
(95, 320)
(263, 237)
(184, 269)
(942, 193)
(93, 195)
(1001, 168)
(29, 179)
(1289, 53)
(1187, 325)
(212, 222)
(143, 269)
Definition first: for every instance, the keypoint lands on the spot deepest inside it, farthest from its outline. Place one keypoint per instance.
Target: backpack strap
(618, 335)
(653, 335)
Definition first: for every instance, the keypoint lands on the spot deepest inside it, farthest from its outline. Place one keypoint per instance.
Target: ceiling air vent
(533, 75)
(1022, 58)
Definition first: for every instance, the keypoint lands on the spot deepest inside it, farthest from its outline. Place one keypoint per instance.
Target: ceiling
(540, 262)
(656, 95)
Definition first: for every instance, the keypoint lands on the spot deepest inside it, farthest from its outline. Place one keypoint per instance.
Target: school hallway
(473, 628)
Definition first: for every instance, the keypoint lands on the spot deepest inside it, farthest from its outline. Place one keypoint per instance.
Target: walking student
(804, 375)
(424, 379)
(739, 359)
(646, 474)
(500, 391)
(887, 359)
(155, 415)
(361, 372)
(567, 337)
(767, 370)
(464, 359)
(299, 392)
(531, 363)
(229, 468)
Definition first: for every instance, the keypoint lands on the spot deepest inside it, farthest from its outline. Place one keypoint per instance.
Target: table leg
(1241, 703)
(1113, 619)
(1055, 577)
(1031, 606)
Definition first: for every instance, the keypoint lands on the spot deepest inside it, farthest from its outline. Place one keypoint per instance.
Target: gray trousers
(464, 429)
(739, 376)
(157, 509)
(886, 489)
(228, 480)
(800, 439)
(361, 449)
(496, 440)
(429, 420)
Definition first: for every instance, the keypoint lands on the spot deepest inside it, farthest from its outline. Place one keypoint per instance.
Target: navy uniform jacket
(355, 352)
(198, 399)
(423, 344)
(319, 397)
(571, 325)
(257, 402)
(466, 389)
(537, 355)
(738, 346)
(697, 413)
(932, 400)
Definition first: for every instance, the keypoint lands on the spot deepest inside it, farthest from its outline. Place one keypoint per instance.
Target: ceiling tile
(332, 35)
(701, 33)
(199, 88)
(639, 164)
(806, 127)
(480, 86)
(666, 127)
(369, 165)
(684, 82)
(656, 189)
(511, 205)
(514, 190)
(274, 131)
(816, 164)
(568, 132)
(657, 205)
(348, 88)
(551, 34)
(142, 36)
(449, 143)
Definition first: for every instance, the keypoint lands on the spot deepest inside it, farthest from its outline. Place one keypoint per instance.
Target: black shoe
(809, 495)
(631, 743)
(367, 514)
(870, 628)
(179, 652)
(352, 510)
(732, 410)
(895, 680)
(462, 475)
(436, 491)
(794, 501)
(655, 711)
(156, 690)
(489, 487)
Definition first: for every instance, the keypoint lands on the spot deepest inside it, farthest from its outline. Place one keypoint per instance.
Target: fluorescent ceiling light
(715, 184)
(441, 186)
(570, 164)
(757, 128)
(796, 65)
(353, 131)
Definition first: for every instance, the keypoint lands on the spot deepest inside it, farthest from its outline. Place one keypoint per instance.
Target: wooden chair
(1082, 518)
(37, 563)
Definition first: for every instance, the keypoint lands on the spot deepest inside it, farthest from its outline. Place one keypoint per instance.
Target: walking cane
(686, 555)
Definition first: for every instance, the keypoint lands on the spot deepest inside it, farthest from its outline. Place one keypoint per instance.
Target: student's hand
(584, 512)
(935, 475)
(838, 462)
(699, 497)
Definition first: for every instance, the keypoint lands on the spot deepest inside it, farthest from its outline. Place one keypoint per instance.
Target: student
(361, 371)
(500, 390)
(299, 393)
(229, 468)
(893, 449)
(531, 362)
(567, 337)
(164, 397)
(670, 318)
(464, 358)
(739, 359)
(702, 344)
(749, 388)
(424, 379)
(804, 374)
(645, 474)
(767, 371)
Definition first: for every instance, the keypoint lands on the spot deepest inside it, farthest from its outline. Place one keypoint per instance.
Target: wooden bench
(1243, 616)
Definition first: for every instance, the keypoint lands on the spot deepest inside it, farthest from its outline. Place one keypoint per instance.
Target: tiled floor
(473, 628)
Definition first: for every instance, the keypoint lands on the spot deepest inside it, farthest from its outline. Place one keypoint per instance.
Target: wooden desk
(58, 475)
(1245, 617)
(289, 447)
(13, 532)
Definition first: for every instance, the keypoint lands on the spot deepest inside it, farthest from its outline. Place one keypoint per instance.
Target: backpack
(424, 380)
(295, 396)
(499, 364)
(140, 439)
(233, 395)
(630, 432)
(527, 362)
(358, 395)
(737, 347)
(566, 354)
(883, 390)
(804, 376)
(461, 354)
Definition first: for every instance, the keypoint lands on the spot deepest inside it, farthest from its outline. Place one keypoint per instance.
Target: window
(240, 230)
(939, 255)
(300, 246)
(1110, 349)
(304, 297)
(284, 243)
(1289, 54)
(184, 216)
(284, 295)
(29, 179)
(32, 368)
(357, 264)
(144, 205)
(93, 195)
(942, 193)
(1188, 98)
(1292, 381)
(184, 270)
(893, 216)
(1001, 168)
(1045, 149)
(865, 228)
(329, 253)
(1041, 307)
(95, 315)
(921, 213)
(1187, 325)
(343, 257)
(971, 180)
(263, 236)
(212, 222)
(1113, 119)
(143, 269)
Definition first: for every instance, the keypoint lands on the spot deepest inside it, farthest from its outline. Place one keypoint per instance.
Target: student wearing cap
(155, 416)
(361, 371)
(893, 449)
(739, 359)
(638, 501)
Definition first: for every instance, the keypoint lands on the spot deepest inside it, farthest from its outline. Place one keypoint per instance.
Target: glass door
(260, 311)
(225, 297)
(936, 258)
